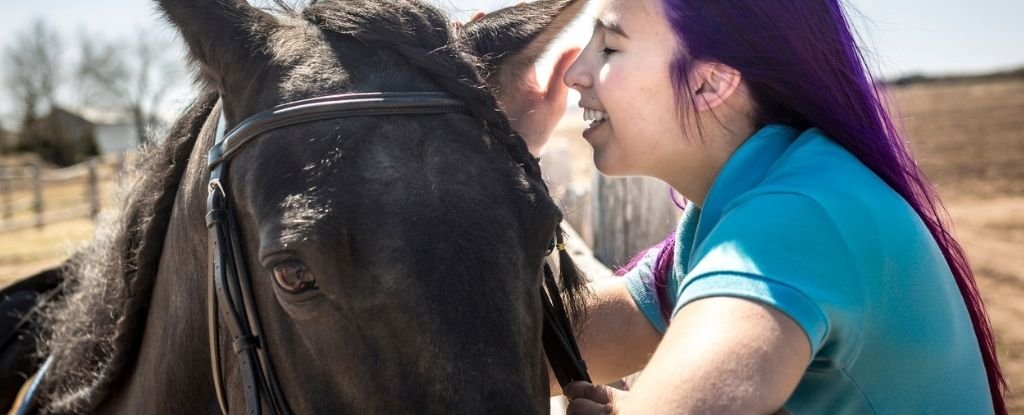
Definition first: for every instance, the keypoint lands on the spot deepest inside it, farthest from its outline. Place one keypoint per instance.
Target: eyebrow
(611, 26)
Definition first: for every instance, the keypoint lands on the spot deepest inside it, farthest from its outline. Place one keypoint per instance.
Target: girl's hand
(534, 111)
(590, 399)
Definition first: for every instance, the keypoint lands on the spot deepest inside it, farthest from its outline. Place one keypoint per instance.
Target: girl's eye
(608, 51)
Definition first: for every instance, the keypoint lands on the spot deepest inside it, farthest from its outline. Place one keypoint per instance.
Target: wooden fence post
(37, 192)
(630, 214)
(92, 189)
(8, 197)
(556, 164)
(122, 157)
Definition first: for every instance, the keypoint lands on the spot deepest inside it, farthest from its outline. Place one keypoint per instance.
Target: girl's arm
(722, 355)
(616, 340)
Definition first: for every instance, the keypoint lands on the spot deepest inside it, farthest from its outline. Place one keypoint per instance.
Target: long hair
(803, 68)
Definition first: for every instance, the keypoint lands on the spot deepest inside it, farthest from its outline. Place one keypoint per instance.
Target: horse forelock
(95, 330)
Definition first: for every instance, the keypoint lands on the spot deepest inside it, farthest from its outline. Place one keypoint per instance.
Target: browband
(328, 108)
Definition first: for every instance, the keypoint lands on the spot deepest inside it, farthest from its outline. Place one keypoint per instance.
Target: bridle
(230, 285)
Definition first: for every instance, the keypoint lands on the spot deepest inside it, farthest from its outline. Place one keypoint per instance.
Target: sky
(901, 37)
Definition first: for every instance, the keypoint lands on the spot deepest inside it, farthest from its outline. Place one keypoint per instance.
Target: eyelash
(608, 51)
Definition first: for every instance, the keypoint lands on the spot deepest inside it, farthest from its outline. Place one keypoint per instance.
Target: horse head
(394, 260)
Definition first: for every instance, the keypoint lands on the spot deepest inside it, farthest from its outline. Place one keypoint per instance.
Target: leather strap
(332, 107)
(557, 336)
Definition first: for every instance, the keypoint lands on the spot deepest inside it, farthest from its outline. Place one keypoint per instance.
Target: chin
(608, 166)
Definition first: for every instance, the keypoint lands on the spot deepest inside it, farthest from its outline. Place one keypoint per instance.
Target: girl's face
(627, 93)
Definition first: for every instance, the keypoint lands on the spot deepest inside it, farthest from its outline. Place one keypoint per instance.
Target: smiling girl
(811, 271)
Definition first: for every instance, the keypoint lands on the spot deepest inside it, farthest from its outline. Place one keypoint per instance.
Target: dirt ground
(968, 137)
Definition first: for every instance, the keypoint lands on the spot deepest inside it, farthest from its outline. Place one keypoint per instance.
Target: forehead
(629, 9)
(633, 16)
(306, 59)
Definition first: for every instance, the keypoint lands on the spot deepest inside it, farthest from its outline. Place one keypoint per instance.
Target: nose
(577, 77)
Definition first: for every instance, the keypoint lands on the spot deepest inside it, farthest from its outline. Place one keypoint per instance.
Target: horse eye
(294, 277)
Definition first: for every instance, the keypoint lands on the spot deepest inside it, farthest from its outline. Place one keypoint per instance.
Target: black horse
(417, 240)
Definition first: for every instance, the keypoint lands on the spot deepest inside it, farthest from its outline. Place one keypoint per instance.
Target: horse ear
(225, 37)
(510, 40)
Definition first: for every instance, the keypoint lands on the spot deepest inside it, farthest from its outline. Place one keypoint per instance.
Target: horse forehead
(306, 57)
(301, 214)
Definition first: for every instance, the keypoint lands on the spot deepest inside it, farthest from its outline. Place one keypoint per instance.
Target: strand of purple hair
(803, 67)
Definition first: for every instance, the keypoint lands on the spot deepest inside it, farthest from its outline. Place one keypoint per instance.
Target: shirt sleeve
(785, 251)
(641, 286)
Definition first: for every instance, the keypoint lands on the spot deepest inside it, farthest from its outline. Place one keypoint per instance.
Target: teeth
(594, 115)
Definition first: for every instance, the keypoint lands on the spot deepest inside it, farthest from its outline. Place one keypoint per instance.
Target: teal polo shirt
(795, 222)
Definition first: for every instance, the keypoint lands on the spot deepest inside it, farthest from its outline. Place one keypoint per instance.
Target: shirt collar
(745, 169)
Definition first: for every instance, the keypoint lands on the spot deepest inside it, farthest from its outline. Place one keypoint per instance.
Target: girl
(811, 271)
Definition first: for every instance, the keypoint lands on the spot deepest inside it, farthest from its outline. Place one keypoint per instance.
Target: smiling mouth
(595, 118)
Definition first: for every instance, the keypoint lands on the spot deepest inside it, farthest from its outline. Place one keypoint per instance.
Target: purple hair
(803, 68)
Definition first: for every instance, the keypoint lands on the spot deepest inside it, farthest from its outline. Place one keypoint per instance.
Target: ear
(714, 83)
(509, 41)
(227, 38)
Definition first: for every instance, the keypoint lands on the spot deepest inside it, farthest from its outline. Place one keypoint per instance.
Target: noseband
(230, 286)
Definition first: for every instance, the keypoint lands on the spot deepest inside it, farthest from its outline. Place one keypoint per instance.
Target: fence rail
(32, 195)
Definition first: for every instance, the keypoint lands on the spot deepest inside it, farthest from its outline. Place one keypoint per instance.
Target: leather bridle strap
(226, 289)
(329, 108)
(559, 340)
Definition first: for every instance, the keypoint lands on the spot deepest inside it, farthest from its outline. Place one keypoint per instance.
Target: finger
(557, 90)
(583, 390)
(586, 407)
(477, 15)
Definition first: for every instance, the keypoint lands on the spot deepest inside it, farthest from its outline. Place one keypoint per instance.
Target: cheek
(636, 90)
(620, 91)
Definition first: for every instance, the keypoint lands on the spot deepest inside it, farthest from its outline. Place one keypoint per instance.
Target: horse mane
(95, 330)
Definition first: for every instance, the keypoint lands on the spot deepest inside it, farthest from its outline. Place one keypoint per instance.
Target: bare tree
(33, 72)
(133, 76)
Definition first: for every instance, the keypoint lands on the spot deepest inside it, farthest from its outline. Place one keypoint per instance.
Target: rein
(230, 287)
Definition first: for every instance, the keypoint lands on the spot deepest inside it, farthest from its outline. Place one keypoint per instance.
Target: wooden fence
(32, 195)
(616, 217)
(632, 214)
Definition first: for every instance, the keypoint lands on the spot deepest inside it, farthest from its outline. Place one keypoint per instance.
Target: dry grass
(26, 251)
(969, 139)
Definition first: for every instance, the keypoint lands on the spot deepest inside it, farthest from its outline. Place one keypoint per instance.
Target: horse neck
(172, 370)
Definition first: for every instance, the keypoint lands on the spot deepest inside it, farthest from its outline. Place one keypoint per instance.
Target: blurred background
(84, 84)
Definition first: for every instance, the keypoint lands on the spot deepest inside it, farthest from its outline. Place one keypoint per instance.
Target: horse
(394, 258)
